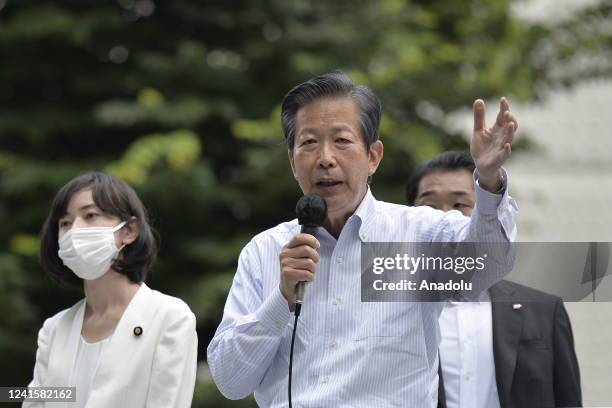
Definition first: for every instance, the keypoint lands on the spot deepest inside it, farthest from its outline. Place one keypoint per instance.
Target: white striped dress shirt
(347, 353)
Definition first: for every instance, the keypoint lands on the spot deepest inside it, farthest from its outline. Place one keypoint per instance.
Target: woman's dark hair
(334, 84)
(114, 197)
(448, 161)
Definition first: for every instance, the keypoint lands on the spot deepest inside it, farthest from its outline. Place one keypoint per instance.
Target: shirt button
(468, 377)
(333, 344)
(339, 259)
(324, 379)
(336, 302)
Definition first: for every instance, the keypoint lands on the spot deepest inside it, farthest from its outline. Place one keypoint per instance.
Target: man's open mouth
(328, 183)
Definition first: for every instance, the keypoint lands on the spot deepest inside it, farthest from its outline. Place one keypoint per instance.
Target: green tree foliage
(181, 99)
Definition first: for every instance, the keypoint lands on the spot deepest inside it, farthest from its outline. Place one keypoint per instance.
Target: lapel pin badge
(517, 306)
(137, 331)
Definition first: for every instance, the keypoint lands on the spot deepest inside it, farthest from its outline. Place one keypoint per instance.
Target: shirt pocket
(392, 331)
(384, 320)
(389, 348)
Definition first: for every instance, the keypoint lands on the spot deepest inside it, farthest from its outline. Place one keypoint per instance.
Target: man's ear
(131, 230)
(375, 155)
(291, 161)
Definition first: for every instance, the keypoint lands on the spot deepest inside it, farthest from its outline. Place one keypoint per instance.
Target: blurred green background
(181, 99)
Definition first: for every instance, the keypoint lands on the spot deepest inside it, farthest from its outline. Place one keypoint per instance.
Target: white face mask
(89, 252)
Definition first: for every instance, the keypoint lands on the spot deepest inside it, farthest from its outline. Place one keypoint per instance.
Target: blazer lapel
(507, 326)
(138, 315)
(65, 345)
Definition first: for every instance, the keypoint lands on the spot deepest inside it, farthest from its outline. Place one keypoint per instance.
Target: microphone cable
(298, 309)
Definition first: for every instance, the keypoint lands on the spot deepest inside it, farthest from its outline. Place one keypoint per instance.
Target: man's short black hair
(114, 197)
(447, 161)
(334, 84)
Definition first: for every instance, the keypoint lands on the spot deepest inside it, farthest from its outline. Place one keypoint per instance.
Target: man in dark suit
(513, 348)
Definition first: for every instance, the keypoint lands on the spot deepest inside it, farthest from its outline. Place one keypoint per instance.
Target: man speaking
(349, 353)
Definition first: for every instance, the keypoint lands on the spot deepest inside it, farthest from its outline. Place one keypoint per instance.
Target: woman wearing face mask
(123, 345)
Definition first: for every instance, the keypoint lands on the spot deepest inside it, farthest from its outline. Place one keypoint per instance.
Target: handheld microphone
(311, 212)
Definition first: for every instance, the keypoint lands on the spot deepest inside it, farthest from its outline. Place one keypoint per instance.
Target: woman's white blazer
(150, 360)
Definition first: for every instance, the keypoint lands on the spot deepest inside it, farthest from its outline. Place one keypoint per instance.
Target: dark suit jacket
(533, 347)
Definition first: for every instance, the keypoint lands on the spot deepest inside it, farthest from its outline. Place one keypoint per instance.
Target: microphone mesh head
(311, 210)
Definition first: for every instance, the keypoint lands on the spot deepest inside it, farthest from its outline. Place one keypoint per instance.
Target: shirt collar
(365, 212)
